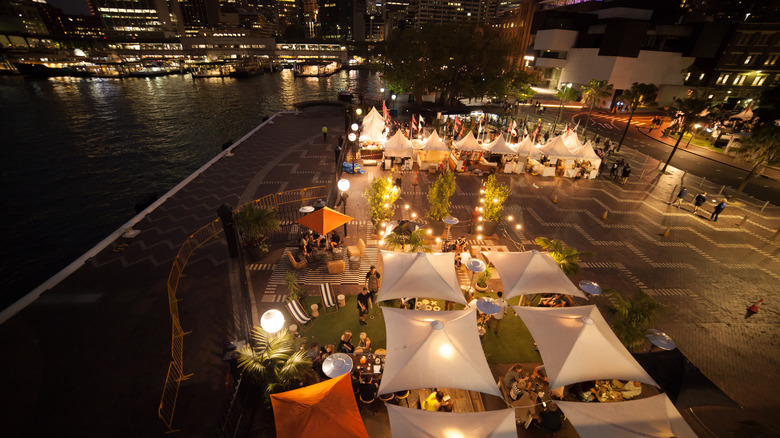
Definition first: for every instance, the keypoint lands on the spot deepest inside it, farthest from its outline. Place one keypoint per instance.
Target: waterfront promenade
(89, 357)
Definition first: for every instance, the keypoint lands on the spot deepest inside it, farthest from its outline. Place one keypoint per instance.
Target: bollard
(702, 182)
(555, 199)
(604, 216)
(722, 189)
(666, 232)
(765, 205)
(743, 221)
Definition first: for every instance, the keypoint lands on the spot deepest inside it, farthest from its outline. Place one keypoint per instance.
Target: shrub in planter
(381, 195)
(253, 223)
(439, 200)
(496, 195)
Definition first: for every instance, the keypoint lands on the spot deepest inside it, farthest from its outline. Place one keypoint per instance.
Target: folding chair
(328, 299)
(298, 314)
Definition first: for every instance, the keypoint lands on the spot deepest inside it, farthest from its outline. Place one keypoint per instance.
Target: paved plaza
(89, 357)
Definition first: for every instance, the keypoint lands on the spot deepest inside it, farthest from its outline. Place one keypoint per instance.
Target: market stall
(523, 151)
(433, 153)
(555, 154)
(466, 150)
(373, 127)
(398, 148)
(499, 146)
(587, 165)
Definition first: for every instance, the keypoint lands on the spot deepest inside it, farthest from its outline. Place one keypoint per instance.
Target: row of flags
(418, 125)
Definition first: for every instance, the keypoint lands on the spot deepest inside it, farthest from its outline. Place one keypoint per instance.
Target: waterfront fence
(283, 201)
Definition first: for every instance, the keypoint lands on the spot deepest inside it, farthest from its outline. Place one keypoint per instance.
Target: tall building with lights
(138, 20)
(458, 11)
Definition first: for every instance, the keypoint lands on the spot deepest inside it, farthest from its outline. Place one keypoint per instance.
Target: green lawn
(512, 344)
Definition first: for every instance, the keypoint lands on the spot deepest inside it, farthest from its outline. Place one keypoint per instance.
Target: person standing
(718, 210)
(501, 311)
(680, 196)
(324, 134)
(363, 304)
(613, 171)
(626, 173)
(701, 198)
(373, 281)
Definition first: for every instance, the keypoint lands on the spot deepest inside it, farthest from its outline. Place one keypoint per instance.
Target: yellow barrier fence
(212, 230)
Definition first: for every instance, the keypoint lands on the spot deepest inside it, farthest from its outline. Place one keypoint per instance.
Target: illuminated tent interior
(500, 146)
(398, 146)
(469, 143)
(406, 422)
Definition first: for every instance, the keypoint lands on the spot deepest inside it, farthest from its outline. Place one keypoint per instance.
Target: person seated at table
(313, 352)
(408, 303)
(540, 372)
(305, 246)
(586, 391)
(334, 240)
(460, 243)
(519, 387)
(320, 240)
(458, 262)
(364, 345)
(551, 419)
(553, 301)
(446, 404)
(513, 373)
(324, 352)
(345, 344)
(627, 390)
(433, 402)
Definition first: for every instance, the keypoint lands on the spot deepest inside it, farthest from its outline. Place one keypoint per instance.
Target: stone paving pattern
(90, 356)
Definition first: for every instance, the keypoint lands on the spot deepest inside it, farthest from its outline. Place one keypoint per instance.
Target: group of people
(698, 201)
(317, 354)
(620, 169)
(309, 241)
(437, 401)
(519, 384)
(605, 390)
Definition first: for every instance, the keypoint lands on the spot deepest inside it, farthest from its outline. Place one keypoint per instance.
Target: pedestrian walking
(364, 303)
(718, 210)
(324, 133)
(680, 196)
(701, 198)
(373, 281)
(613, 170)
(597, 140)
(626, 173)
(602, 167)
(546, 136)
(502, 306)
(607, 147)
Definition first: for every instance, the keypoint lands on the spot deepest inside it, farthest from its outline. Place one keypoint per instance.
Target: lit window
(747, 59)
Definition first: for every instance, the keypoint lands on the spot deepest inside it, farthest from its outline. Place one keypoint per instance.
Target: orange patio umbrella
(324, 410)
(324, 220)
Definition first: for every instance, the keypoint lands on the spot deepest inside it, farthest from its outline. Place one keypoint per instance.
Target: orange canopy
(326, 409)
(324, 220)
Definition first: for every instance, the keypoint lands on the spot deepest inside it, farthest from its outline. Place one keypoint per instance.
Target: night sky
(72, 7)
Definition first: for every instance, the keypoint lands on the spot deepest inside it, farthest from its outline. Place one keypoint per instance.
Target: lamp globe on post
(272, 321)
(343, 186)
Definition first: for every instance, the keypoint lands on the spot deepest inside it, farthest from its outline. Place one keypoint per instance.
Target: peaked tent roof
(405, 422)
(373, 128)
(325, 409)
(419, 355)
(500, 146)
(469, 143)
(747, 114)
(531, 272)
(371, 114)
(421, 275)
(648, 417)
(526, 147)
(586, 152)
(434, 143)
(398, 146)
(572, 141)
(556, 148)
(324, 220)
(577, 345)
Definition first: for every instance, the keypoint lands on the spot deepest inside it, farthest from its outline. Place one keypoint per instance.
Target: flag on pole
(514, 131)
(384, 111)
(420, 123)
(414, 123)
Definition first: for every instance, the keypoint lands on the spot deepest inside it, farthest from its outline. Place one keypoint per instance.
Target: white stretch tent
(500, 146)
(398, 146)
(531, 272)
(373, 127)
(526, 147)
(420, 275)
(577, 345)
(405, 422)
(556, 148)
(434, 143)
(648, 417)
(428, 349)
(572, 141)
(469, 143)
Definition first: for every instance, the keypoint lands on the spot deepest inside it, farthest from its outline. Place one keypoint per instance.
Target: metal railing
(175, 375)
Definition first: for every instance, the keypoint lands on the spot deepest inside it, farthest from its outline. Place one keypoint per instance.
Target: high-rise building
(310, 10)
(21, 17)
(514, 24)
(336, 19)
(463, 11)
(197, 14)
(138, 19)
(289, 13)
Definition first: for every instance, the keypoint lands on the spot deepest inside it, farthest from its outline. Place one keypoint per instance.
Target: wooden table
(463, 400)
(368, 369)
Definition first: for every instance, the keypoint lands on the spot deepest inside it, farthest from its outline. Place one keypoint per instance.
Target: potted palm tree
(495, 196)
(381, 195)
(439, 200)
(402, 236)
(482, 281)
(568, 258)
(633, 316)
(253, 224)
(274, 362)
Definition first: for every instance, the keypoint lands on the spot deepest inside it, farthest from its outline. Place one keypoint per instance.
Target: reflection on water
(79, 153)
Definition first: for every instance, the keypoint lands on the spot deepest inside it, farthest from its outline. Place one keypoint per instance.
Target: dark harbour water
(77, 154)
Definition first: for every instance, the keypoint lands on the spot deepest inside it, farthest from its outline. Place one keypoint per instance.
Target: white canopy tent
(428, 349)
(421, 275)
(572, 141)
(373, 127)
(526, 147)
(747, 114)
(398, 146)
(500, 146)
(556, 149)
(531, 272)
(577, 345)
(405, 422)
(648, 417)
(469, 143)
(434, 143)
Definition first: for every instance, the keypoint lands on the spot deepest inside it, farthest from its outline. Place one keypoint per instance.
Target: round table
(660, 339)
(337, 364)
(590, 287)
(475, 266)
(488, 306)
(306, 209)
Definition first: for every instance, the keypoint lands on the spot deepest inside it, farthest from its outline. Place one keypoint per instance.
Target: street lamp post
(272, 321)
(343, 186)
